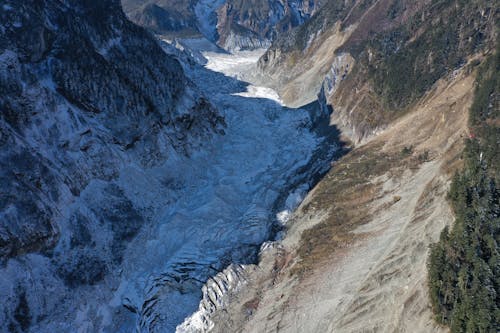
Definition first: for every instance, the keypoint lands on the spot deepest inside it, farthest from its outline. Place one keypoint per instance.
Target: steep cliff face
(80, 101)
(232, 24)
(254, 24)
(398, 50)
(166, 17)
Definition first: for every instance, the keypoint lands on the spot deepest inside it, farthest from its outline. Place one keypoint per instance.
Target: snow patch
(233, 64)
(109, 45)
(261, 92)
(237, 65)
(293, 200)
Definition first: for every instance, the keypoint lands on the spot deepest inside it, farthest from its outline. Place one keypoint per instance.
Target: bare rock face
(164, 16)
(231, 24)
(355, 125)
(254, 24)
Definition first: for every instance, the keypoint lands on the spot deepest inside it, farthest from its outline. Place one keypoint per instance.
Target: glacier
(236, 186)
(192, 216)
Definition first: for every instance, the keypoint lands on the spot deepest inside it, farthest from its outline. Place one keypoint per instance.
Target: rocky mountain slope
(164, 16)
(232, 24)
(389, 52)
(74, 115)
(354, 257)
(399, 78)
(142, 191)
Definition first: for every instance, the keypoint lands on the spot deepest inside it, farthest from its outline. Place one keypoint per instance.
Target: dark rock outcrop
(163, 16)
(253, 24)
(231, 24)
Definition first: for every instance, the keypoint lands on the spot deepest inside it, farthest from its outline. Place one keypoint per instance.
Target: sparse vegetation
(423, 157)
(407, 150)
(347, 190)
(331, 12)
(406, 61)
(464, 266)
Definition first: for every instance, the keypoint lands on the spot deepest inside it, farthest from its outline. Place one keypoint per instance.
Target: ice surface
(237, 65)
(233, 64)
(260, 92)
(200, 212)
(292, 201)
(224, 205)
(265, 147)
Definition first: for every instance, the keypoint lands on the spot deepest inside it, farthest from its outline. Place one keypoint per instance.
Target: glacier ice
(182, 222)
